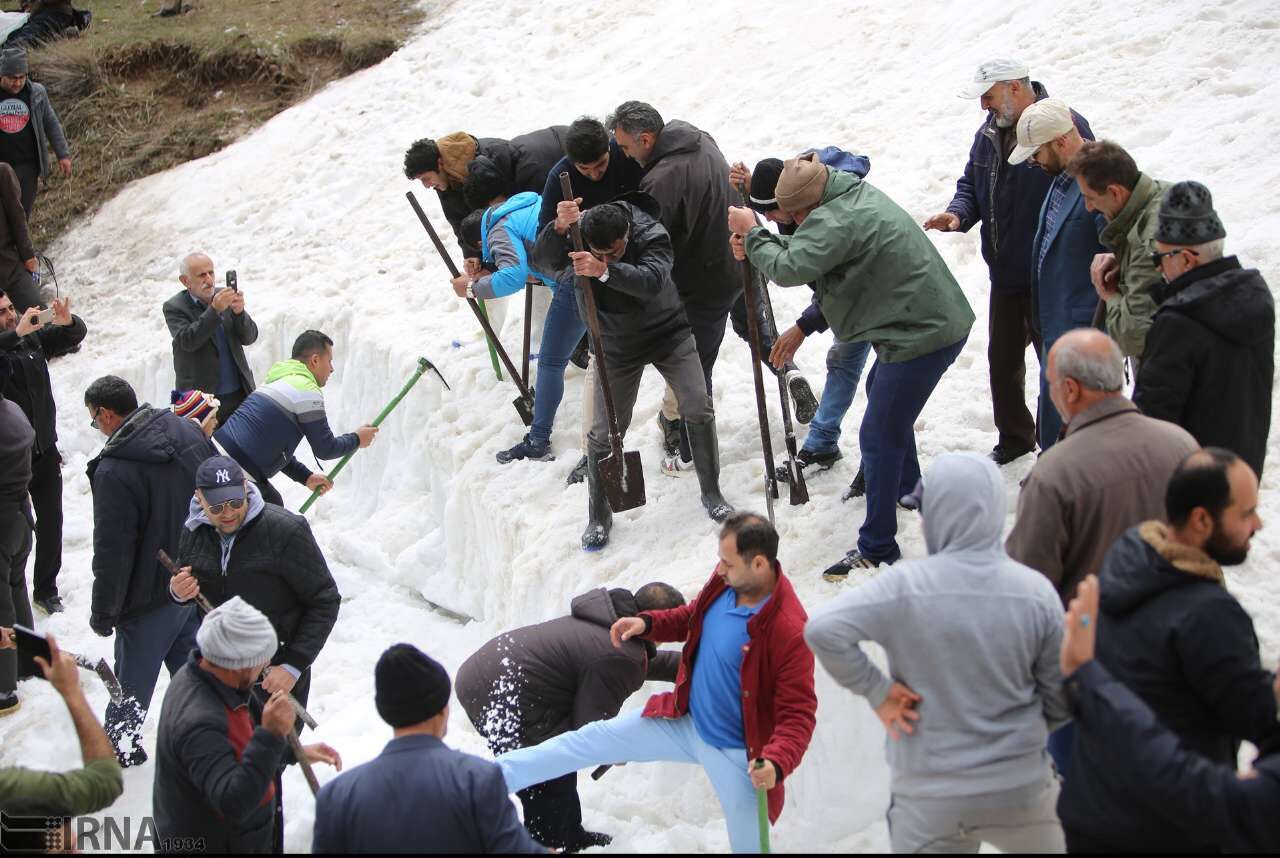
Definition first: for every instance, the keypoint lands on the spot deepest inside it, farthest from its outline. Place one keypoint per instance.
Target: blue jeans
(166, 636)
(1061, 741)
(1048, 420)
(633, 739)
(844, 371)
(896, 394)
(560, 335)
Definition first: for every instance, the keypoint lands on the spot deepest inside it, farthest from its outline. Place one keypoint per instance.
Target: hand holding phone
(31, 644)
(233, 282)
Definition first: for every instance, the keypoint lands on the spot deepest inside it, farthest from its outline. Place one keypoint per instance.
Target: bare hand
(28, 324)
(62, 311)
(945, 222)
(278, 679)
(322, 753)
(786, 346)
(586, 265)
(739, 175)
(320, 483)
(1080, 633)
(366, 435)
(460, 284)
(472, 268)
(567, 214)
(763, 777)
(1104, 271)
(898, 709)
(278, 715)
(741, 220)
(63, 673)
(32, 265)
(6, 639)
(64, 164)
(625, 629)
(222, 299)
(184, 585)
(737, 246)
(237, 302)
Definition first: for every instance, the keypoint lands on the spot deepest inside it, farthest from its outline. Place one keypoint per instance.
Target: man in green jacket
(1130, 201)
(880, 280)
(39, 793)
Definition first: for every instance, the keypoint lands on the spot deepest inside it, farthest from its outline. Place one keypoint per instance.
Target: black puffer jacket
(276, 566)
(142, 484)
(29, 384)
(1173, 635)
(689, 178)
(1210, 358)
(530, 684)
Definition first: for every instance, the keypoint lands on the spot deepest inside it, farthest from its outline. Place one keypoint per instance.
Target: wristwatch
(471, 291)
(604, 278)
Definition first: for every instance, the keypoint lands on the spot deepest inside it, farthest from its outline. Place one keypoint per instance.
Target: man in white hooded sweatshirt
(972, 639)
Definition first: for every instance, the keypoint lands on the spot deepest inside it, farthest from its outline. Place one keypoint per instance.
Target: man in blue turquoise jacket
(262, 434)
(1065, 243)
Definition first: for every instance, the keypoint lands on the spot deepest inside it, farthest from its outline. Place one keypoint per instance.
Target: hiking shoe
(9, 704)
(578, 474)
(50, 604)
(136, 757)
(527, 449)
(806, 405)
(839, 571)
(809, 459)
(674, 466)
(587, 840)
(1002, 455)
(857, 488)
(581, 354)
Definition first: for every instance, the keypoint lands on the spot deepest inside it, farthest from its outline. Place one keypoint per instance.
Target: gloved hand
(101, 626)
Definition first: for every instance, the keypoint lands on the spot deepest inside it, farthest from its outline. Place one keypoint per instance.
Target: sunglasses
(217, 508)
(1157, 258)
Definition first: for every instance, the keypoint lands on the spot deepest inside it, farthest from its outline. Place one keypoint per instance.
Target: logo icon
(223, 476)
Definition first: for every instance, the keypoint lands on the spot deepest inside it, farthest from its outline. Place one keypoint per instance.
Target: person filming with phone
(210, 328)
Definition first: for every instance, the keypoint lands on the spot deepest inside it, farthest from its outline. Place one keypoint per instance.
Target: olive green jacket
(877, 277)
(37, 793)
(1131, 237)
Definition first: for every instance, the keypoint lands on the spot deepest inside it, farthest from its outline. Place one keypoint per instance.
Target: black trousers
(1011, 328)
(29, 180)
(708, 321)
(301, 691)
(228, 403)
(15, 545)
(553, 811)
(20, 288)
(46, 498)
(768, 331)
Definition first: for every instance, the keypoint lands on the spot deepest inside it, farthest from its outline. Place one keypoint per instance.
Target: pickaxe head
(106, 674)
(428, 365)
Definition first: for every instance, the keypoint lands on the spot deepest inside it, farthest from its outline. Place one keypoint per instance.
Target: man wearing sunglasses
(1211, 349)
(236, 544)
(141, 481)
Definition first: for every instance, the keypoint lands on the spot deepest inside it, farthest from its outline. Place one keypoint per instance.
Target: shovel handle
(295, 744)
(167, 562)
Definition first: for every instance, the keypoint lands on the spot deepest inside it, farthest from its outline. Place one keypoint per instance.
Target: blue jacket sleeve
(812, 321)
(322, 440)
(297, 471)
(512, 263)
(964, 204)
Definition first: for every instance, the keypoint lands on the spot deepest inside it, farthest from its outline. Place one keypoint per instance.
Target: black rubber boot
(599, 515)
(706, 460)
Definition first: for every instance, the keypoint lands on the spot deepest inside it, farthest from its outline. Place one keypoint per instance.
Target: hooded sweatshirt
(974, 633)
(507, 234)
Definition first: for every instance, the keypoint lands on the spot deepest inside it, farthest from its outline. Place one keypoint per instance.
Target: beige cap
(1047, 119)
(801, 184)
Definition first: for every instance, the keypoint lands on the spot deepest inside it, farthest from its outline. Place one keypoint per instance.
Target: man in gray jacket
(973, 640)
(28, 126)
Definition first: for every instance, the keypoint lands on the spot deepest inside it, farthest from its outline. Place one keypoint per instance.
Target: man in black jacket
(1210, 358)
(1173, 635)
(27, 345)
(235, 544)
(532, 683)
(210, 328)
(16, 438)
(441, 165)
(142, 482)
(642, 321)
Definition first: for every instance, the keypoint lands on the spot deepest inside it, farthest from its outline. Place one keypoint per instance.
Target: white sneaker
(674, 466)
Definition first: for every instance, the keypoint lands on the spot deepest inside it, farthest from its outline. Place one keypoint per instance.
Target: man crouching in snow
(744, 690)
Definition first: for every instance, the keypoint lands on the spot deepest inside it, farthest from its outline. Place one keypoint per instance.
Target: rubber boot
(599, 515)
(706, 460)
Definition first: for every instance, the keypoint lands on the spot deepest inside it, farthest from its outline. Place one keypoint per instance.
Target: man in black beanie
(418, 795)
(1210, 355)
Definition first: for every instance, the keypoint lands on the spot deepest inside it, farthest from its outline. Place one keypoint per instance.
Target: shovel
(621, 473)
(105, 673)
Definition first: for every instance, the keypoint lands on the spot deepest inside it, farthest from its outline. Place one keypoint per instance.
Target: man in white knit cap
(215, 769)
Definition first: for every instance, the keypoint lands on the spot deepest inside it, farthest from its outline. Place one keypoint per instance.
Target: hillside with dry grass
(138, 93)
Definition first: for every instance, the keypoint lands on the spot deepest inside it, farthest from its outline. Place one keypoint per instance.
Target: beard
(1225, 552)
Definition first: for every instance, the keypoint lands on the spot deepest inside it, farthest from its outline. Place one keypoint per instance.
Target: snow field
(309, 209)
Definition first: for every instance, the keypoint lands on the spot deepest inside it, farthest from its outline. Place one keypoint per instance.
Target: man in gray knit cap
(215, 769)
(1210, 357)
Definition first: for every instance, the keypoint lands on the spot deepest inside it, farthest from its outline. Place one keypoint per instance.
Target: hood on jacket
(677, 136)
(1144, 563)
(603, 607)
(196, 516)
(142, 437)
(494, 215)
(839, 182)
(1231, 301)
(964, 504)
(294, 369)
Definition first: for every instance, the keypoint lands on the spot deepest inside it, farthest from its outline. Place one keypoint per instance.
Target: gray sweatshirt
(974, 633)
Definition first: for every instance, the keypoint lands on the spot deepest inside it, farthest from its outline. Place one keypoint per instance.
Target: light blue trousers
(633, 739)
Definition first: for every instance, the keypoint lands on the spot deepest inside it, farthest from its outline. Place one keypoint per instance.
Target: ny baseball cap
(1043, 121)
(993, 72)
(220, 479)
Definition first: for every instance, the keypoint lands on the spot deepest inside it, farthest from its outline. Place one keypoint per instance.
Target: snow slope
(309, 209)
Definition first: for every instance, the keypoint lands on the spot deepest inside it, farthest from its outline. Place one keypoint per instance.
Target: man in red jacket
(744, 690)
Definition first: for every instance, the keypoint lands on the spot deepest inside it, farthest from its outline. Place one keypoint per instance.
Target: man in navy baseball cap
(223, 492)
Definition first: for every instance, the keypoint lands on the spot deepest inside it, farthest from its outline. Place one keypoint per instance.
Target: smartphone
(31, 644)
(44, 317)
(232, 282)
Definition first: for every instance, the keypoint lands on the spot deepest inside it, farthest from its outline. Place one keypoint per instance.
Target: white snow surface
(310, 210)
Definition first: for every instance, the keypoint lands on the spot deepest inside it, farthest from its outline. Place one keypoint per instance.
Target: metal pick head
(426, 364)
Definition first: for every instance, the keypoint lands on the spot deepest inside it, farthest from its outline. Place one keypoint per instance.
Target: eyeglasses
(93, 421)
(217, 508)
(1157, 258)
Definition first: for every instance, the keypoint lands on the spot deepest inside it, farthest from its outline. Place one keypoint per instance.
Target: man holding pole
(262, 434)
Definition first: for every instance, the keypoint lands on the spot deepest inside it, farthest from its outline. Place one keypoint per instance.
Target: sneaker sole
(509, 459)
(11, 709)
(835, 578)
(803, 400)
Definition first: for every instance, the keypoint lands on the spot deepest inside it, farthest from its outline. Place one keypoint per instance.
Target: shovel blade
(799, 491)
(108, 677)
(524, 407)
(623, 481)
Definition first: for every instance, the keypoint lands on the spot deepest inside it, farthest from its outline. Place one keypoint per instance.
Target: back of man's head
(310, 343)
(1091, 358)
(112, 393)
(1201, 480)
(635, 118)
(469, 229)
(658, 597)
(484, 183)
(422, 157)
(586, 141)
(1101, 164)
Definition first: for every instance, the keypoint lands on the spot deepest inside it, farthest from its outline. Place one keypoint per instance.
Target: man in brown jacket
(17, 256)
(1108, 474)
